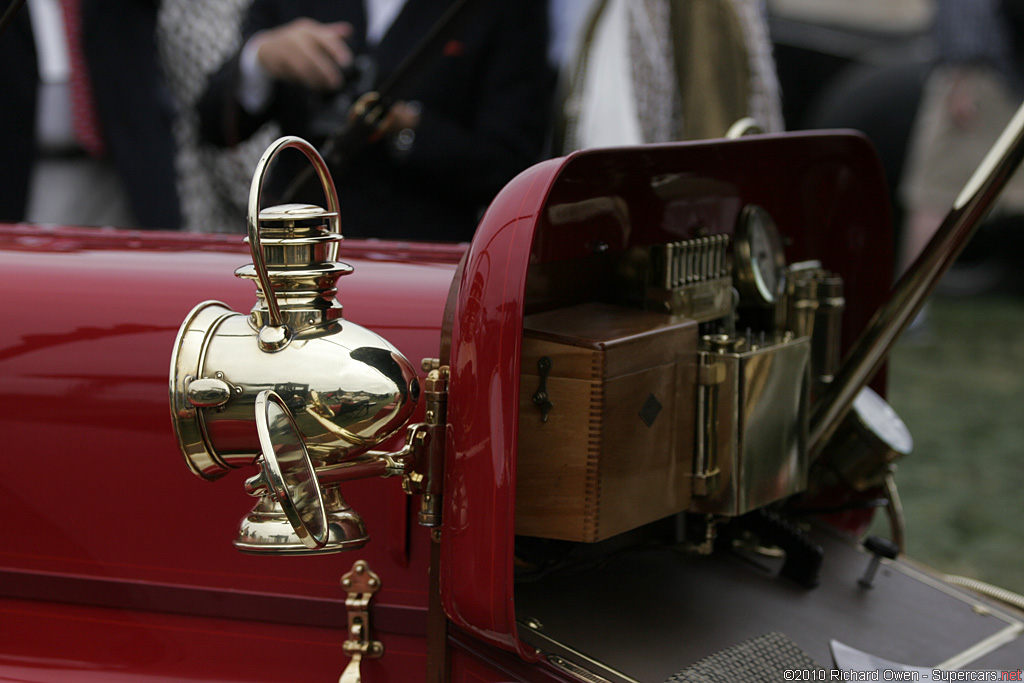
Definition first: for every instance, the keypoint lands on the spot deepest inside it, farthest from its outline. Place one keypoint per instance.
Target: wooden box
(616, 448)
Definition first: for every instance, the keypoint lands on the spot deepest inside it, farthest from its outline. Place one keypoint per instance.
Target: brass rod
(912, 289)
(361, 467)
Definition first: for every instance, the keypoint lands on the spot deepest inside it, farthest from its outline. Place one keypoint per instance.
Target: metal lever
(360, 584)
(878, 547)
(909, 294)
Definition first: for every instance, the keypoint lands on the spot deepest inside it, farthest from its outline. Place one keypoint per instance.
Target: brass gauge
(760, 261)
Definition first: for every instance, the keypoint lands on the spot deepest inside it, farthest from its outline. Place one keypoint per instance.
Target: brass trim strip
(982, 648)
(1014, 627)
(576, 670)
(555, 650)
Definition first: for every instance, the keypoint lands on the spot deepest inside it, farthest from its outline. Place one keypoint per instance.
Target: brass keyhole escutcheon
(541, 399)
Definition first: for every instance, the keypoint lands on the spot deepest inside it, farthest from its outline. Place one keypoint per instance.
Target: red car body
(116, 563)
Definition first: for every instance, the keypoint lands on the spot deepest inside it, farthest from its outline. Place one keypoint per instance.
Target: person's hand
(402, 115)
(307, 52)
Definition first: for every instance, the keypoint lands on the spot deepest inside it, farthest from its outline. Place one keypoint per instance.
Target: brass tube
(910, 292)
(361, 467)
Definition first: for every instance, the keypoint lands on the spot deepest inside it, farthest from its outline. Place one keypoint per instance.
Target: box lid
(628, 339)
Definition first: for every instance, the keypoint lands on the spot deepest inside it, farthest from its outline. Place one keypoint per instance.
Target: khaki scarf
(712, 66)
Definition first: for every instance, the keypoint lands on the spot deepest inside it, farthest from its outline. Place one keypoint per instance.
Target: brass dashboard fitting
(752, 405)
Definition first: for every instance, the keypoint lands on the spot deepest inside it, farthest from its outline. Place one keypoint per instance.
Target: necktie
(84, 119)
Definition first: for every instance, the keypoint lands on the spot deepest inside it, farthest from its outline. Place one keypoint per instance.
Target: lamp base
(267, 531)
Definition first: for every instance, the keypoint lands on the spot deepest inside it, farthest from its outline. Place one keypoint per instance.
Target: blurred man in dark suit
(120, 170)
(472, 113)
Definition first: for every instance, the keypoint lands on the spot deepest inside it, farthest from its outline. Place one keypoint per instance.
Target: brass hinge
(360, 584)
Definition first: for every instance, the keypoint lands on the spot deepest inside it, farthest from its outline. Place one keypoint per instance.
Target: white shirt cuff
(254, 85)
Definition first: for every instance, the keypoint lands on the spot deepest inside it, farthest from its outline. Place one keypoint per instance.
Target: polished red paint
(476, 562)
(98, 506)
(48, 641)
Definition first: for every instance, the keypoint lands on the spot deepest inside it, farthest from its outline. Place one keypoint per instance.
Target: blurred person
(565, 18)
(660, 70)
(194, 38)
(473, 114)
(970, 95)
(86, 117)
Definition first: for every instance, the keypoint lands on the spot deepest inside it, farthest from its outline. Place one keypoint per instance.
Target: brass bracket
(360, 583)
(435, 392)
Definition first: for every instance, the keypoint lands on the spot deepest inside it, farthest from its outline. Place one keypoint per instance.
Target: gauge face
(760, 258)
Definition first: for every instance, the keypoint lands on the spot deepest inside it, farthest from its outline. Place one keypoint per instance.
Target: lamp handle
(252, 218)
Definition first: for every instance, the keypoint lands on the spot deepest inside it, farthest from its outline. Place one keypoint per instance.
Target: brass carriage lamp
(291, 387)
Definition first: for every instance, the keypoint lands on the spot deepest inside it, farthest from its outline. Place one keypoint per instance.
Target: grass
(959, 387)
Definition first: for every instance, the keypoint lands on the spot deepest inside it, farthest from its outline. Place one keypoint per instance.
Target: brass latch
(360, 584)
